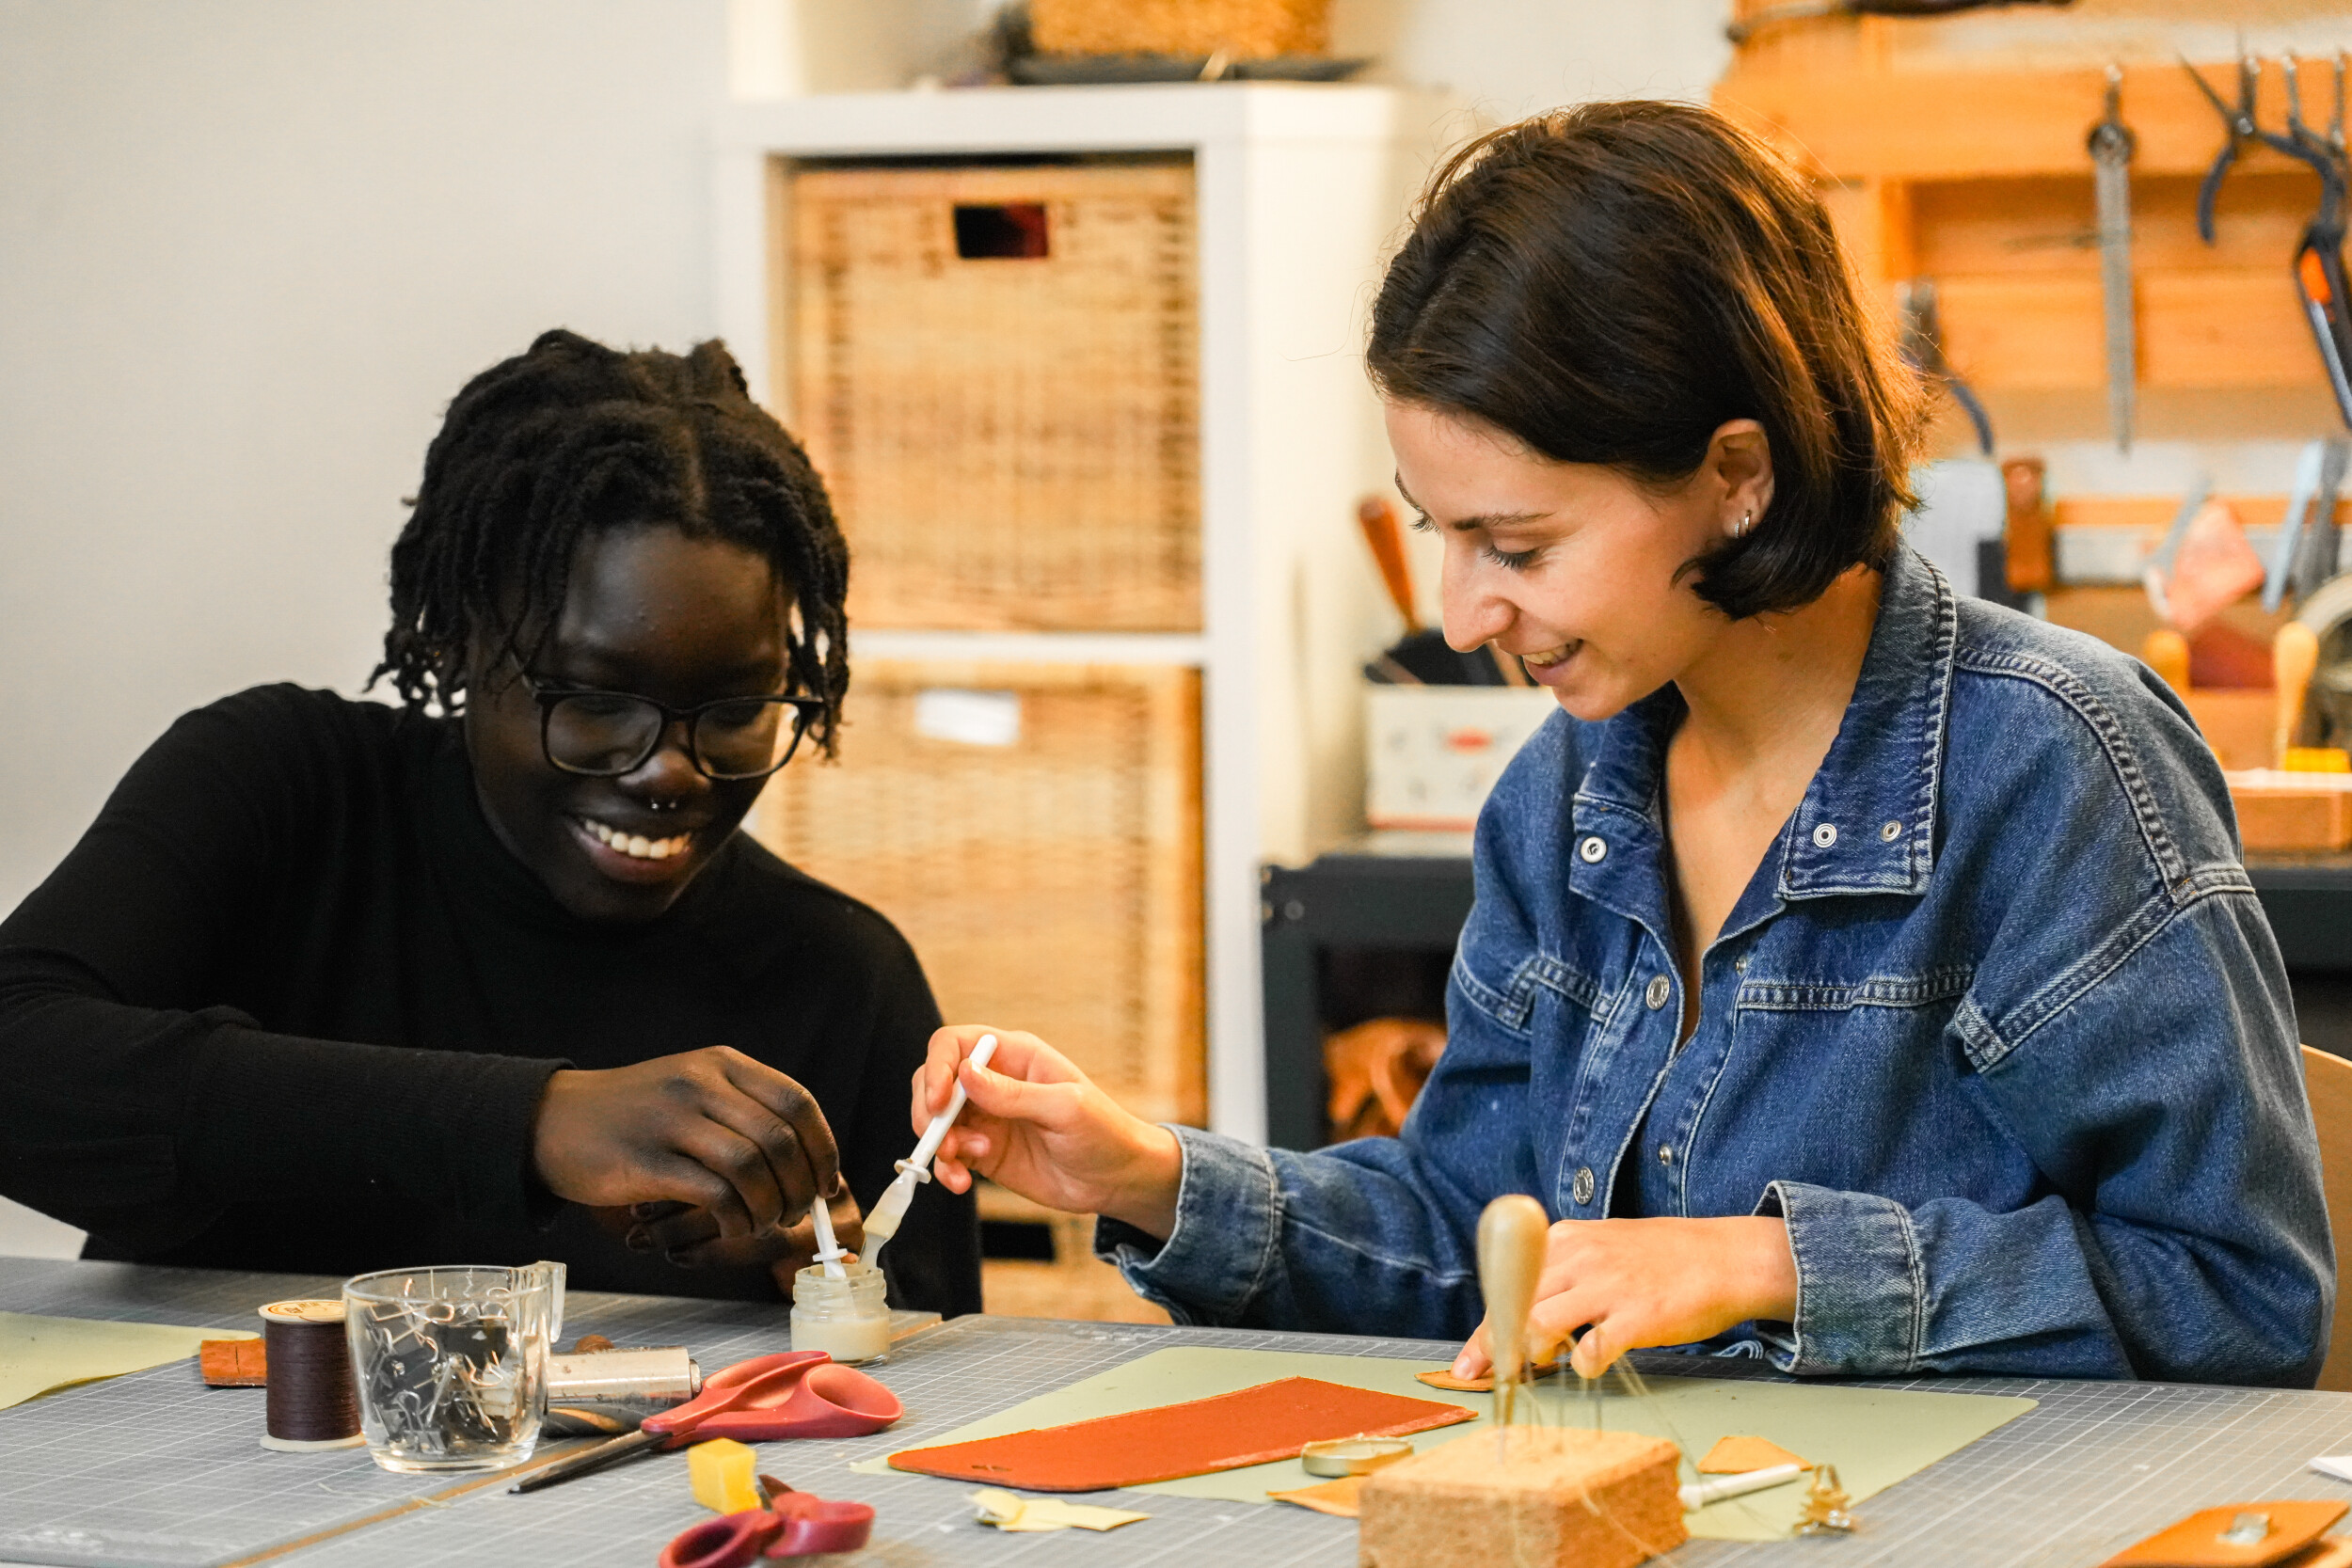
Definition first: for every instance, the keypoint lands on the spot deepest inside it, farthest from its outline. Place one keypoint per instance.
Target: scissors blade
(587, 1460)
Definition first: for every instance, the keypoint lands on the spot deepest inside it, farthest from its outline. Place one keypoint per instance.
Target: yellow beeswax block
(721, 1472)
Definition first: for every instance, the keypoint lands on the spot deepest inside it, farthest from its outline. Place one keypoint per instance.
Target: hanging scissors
(793, 1524)
(795, 1394)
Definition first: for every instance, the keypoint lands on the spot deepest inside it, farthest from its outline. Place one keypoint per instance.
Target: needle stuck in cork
(883, 1222)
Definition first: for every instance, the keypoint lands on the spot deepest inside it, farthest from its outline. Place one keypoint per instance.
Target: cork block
(1540, 1499)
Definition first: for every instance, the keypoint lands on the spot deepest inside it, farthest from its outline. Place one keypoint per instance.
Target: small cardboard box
(1432, 754)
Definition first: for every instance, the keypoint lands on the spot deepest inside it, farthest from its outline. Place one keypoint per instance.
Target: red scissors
(795, 1394)
(794, 1523)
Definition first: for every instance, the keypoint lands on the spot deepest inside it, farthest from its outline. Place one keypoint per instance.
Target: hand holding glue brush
(1036, 1124)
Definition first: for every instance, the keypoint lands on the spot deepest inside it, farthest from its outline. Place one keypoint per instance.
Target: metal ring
(1353, 1456)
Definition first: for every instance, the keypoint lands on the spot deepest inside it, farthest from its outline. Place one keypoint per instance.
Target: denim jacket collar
(1866, 823)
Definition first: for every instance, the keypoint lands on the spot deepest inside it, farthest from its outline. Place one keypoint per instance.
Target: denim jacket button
(1890, 831)
(1826, 836)
(1659, 989)
(1582, 1189)
(1593, 849)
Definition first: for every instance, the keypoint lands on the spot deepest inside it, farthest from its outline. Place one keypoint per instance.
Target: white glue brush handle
(924, 1151)
(829, 1251)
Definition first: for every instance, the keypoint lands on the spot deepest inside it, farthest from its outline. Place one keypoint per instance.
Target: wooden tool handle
(1387, 540)
(2293, 655)
(1510, 1258)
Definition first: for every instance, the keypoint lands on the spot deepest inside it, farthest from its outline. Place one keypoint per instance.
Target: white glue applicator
(883, 1222)
(829, 1251)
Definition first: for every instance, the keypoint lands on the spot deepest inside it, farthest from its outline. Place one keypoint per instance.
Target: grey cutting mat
(156, 1469)
(2094, 1467)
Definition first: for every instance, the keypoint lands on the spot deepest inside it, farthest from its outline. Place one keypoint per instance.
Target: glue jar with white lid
(847, 1318)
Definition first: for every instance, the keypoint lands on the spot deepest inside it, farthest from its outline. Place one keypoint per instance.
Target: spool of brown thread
(313, 1403)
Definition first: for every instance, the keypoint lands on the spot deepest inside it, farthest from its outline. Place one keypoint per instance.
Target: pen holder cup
(452, 1362)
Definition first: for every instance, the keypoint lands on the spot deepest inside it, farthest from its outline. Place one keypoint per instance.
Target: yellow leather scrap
(1333, 1496)
(721, 1471)
(1009, 1510)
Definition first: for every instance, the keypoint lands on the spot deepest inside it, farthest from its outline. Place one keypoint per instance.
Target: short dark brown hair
(1612, 283)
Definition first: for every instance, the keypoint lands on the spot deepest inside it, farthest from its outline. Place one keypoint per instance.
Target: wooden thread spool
(312, 1402)
(1511, 1236)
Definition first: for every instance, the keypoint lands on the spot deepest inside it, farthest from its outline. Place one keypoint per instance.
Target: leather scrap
(1737, 1456)
(1023, 1515)
(1444, 1378)
(1336, 1498)
(1251, 1426)
(234, 1363)
(2196, 1541)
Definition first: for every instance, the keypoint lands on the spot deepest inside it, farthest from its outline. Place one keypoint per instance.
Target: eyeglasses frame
(808, 709)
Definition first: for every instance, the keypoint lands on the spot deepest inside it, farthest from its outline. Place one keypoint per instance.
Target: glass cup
(452, 1362)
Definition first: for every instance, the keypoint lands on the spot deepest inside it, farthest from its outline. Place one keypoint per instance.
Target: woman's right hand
(1036, 1125)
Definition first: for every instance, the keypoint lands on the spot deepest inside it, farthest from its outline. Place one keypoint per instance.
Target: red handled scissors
(795, 1394)
(794, 1523)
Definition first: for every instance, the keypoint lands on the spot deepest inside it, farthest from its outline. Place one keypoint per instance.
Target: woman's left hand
(1631, 1284)
(691, 1239)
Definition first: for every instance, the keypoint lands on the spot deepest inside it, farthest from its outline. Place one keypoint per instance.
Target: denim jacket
(1997, 1027)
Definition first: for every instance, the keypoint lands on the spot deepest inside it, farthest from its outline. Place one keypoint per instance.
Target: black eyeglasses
(606, 734)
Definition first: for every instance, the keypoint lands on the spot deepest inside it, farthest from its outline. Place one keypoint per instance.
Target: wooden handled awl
(2294, 656)
(1510, 1259)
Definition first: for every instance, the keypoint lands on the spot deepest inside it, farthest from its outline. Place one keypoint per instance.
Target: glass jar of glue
(847, 1318)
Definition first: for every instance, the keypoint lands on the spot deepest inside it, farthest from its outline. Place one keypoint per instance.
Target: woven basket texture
(1051, 884)
(1012, 442)
(1245, 29)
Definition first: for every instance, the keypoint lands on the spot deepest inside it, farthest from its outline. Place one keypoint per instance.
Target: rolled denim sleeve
(2189, 1240)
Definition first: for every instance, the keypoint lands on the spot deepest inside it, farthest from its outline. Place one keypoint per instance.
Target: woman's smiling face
(1573, 566)
(656, 613)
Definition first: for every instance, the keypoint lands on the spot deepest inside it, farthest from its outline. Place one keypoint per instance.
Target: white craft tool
(2336, 1465)
(829, 1251)
(883, 1222)
(1699, 1494)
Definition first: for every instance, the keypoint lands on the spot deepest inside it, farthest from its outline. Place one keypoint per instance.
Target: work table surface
(154, 1468)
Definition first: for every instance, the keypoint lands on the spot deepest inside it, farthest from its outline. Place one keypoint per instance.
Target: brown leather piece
(1737, 1456)
(1376, 1071)
(1444, 1378)
(1253, 1426)
(2194, 1541)
(234, 1363)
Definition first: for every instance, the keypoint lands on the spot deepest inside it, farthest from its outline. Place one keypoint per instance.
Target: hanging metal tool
(2240, 121)
(2318, 264)
(1797, 10)
(1923, 346)
(2111, 146)
(2305, 554)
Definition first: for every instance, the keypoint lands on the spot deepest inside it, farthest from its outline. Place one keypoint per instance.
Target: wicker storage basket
(1245, 29)
(1011, 438)
(1043, 857)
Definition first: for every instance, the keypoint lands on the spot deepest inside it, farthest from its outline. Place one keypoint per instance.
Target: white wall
(248, 249)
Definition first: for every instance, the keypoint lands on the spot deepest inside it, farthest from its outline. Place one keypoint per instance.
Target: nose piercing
(662, 805)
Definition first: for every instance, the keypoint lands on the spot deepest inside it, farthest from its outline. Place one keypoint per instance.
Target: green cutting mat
(1874, 1436)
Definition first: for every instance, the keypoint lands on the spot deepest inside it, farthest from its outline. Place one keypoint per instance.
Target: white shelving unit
(1299, 191)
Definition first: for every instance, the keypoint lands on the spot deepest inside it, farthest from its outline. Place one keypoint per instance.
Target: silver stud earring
(1747, 521)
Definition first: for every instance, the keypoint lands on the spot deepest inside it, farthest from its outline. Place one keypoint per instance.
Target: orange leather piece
(1253, 1426)
(2194, 1541)
(1336, 1497)
(1444, 1378)
(234, 1363)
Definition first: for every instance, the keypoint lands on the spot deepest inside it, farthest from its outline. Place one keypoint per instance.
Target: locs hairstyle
(570, 438)
(1612, 283)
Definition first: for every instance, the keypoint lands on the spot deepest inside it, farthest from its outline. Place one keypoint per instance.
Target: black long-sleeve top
(291, 1005)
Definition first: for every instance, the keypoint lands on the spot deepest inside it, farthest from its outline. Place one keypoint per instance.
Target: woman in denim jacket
(1862, 975)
